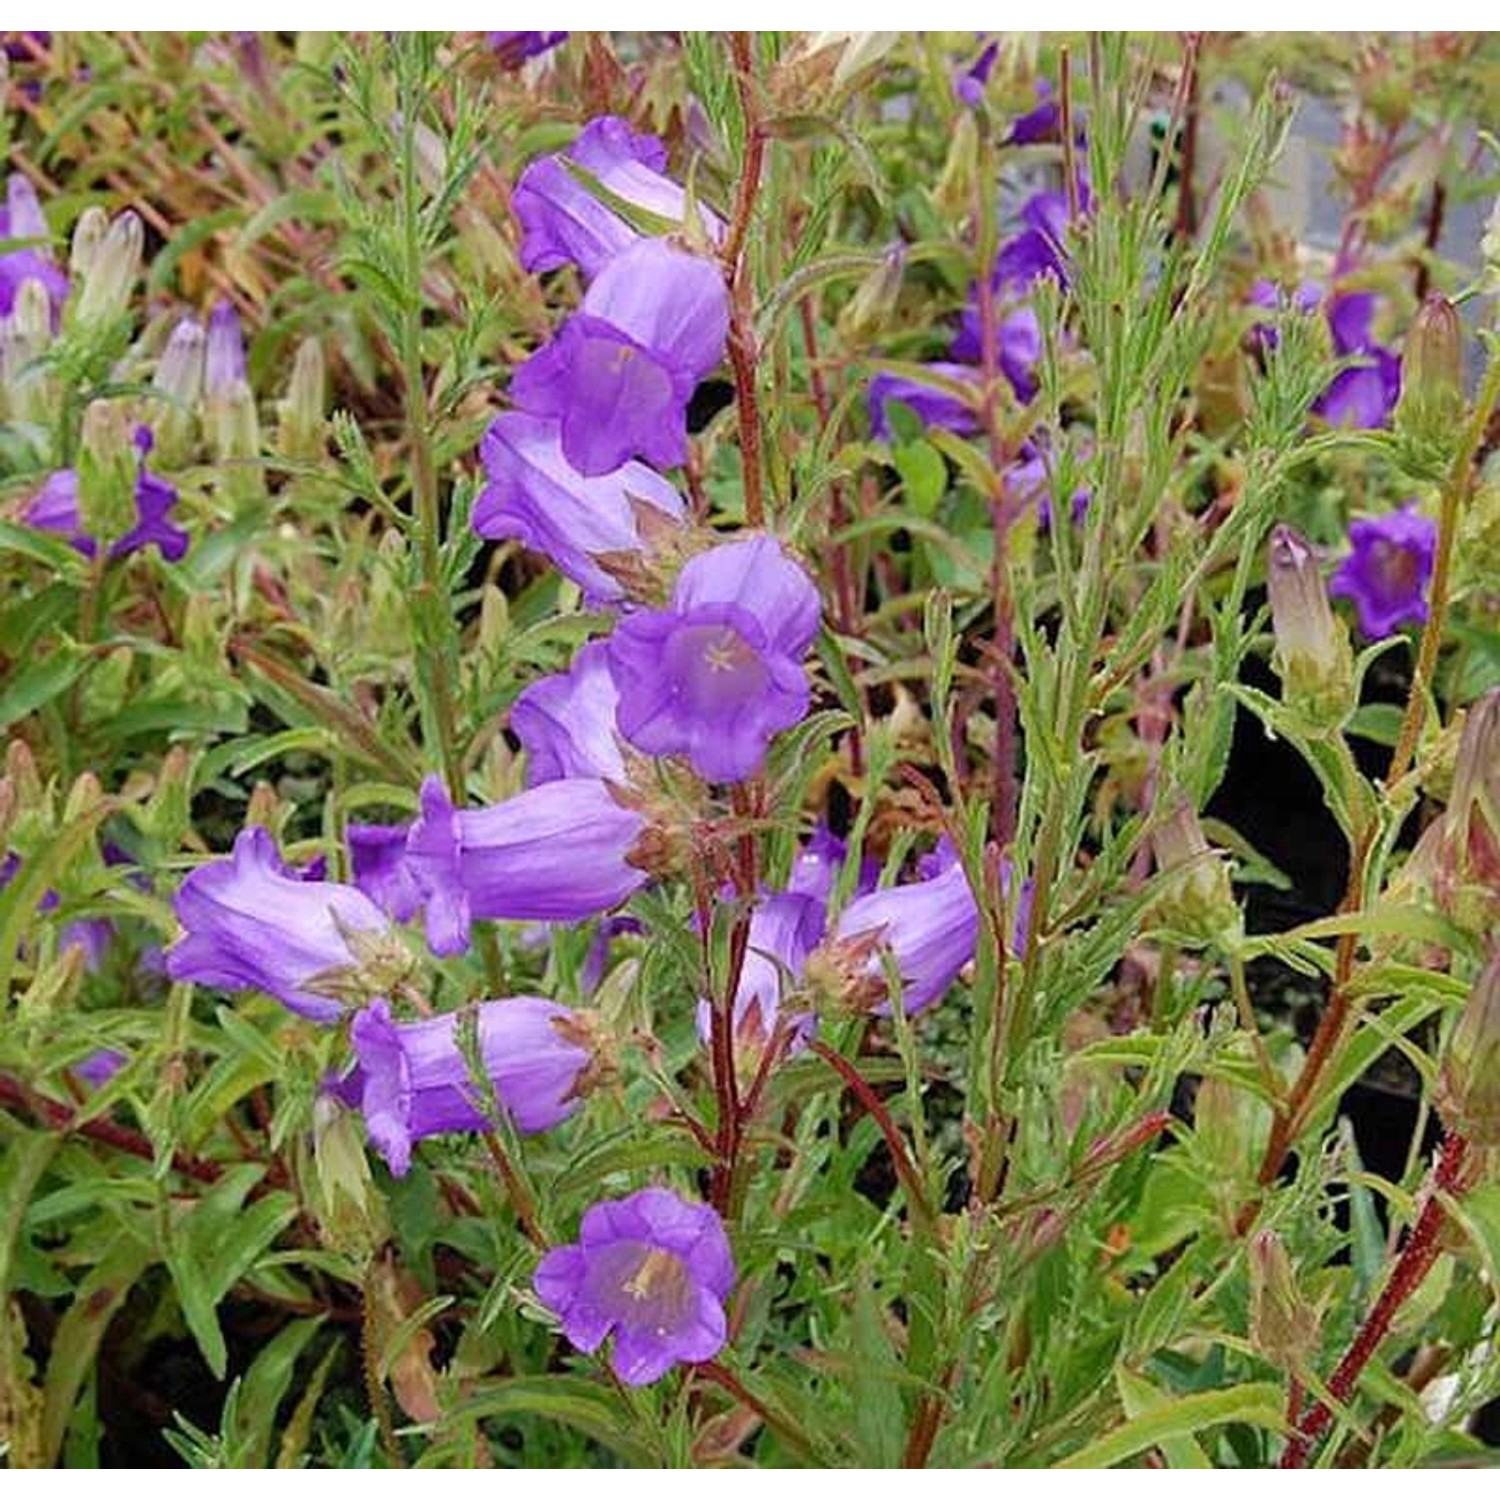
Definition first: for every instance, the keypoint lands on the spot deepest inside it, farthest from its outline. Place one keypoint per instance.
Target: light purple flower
(1037, 250)
(21, 219)
(224, 357)
(968, 83)
(566, 722)
(377, 861)
(1043, 122)
(816, 869)
(718, 673)
(652, 1269)
(929, 928)
(1018, 344)
(55, 508)
(248, 925)
(620, 372)
(1365, 394)
(1269, 295)
(784, 929)
(512, 48)
(1387, 573)
(561, 219)
(411, 1079)
(557, 853)
(536, 496)
(935, 406)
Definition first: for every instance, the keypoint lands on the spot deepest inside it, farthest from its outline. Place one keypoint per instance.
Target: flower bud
(1458, 856)
(88, 239)
(112, 274)
(1430, 411)
(234, 439)
(1469, 1091)
(349, 1213)
(27, 390)
(300, 428)
(224, 358)
(179, 383)
(108, 463)
(1312, 647)
(1283, 1326)
(874, 299)
(1196, 898)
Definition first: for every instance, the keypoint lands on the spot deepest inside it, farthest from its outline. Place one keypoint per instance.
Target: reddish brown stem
(874, 1106)
(714, 1371)
(1417, 1258)
(58, 1117)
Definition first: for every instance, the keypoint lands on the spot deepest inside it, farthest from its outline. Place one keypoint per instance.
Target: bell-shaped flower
(566, 722)
(620, 372)
(412, 1080)
(564, 222)
(249, 925)
(559, 852)
(575, 520)
(652, 1269)
(720, 671)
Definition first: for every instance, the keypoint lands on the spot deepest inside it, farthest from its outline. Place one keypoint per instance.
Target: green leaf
(575, 1402)
(1260, 1404)
(75, 1345)
(924, 475)
(41, 682)
(265, 1386)
(1140, 1398)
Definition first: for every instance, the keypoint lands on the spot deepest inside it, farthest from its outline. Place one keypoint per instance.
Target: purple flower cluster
(1036, 251)
(513, 48)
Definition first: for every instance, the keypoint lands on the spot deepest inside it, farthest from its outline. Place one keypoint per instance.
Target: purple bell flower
(248, 925)
(816, 868)
(714, 676)
(513, 48)
(377, 861)
(224, 356)
(563, 222)
(652, 1269)
(566, 722)
(620, 372)
(935, 407)
(55, 508)
(1387, 573)
(559, 852)
(968, 83)
(411, 1079)
(1038, 250)
(1018, 345)
(784, 930)
(1041, 123)
(536, 496)
(21, 219)
(929, 928)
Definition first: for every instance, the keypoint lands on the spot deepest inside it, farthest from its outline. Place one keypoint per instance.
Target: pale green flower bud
(179, 382)
(1312, 654)
(1429, 415)
(1196, 897)
(108, 464)
(88, 239)
(1283, 1326)
(301, 428)
(111, 276)
(1469, 1091)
